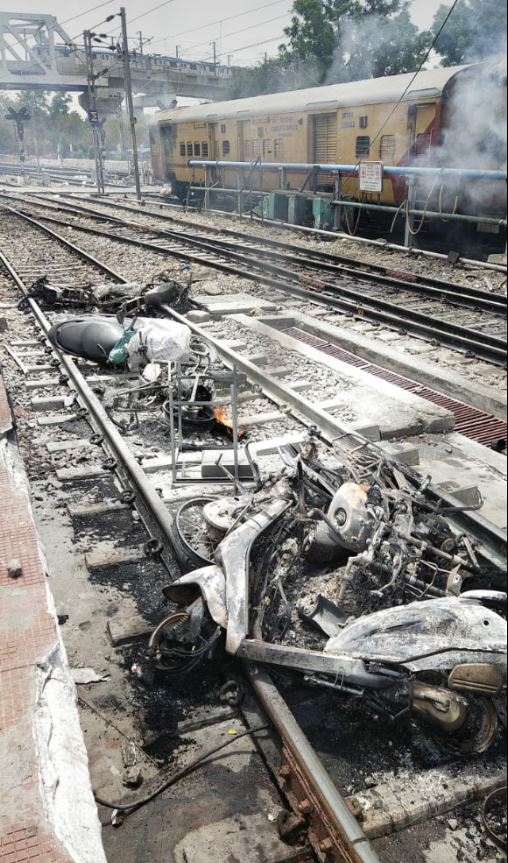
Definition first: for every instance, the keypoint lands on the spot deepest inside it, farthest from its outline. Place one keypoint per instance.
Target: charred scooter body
(442, 659)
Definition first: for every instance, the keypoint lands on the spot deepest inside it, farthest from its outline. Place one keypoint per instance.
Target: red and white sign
(371, 176)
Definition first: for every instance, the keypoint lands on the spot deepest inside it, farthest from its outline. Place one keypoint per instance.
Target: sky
(242, 29)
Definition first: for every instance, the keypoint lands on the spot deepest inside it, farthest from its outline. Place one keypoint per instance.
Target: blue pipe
(352, 169)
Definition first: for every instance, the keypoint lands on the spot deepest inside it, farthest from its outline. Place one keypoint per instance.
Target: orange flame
(222, 419)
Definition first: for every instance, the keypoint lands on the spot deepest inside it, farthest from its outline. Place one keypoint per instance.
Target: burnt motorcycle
(426, 643)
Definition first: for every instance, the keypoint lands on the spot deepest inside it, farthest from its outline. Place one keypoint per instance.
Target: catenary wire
(414, 77)
(223, 20)
(256, 44)
(87, 11)
(237, 32)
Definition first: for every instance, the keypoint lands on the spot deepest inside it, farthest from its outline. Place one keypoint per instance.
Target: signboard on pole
(371, 176)
(93, 117)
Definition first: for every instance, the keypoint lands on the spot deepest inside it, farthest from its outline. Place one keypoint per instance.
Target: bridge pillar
(107, 102)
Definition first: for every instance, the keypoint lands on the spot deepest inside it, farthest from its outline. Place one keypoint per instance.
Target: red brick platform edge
(47, 811)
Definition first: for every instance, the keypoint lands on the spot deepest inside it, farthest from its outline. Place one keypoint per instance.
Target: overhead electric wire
(87, 11)
(149, 11)
(256, 44)
(223, 20)
(422, 64)
(407, 89)
(237, 32)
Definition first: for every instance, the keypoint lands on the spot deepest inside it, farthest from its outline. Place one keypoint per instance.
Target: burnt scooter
(440, 659)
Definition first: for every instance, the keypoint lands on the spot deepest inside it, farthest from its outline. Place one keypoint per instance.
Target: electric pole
(93, 114)
(130, 103)
(214, 53)
(140, 35)
(34, 134)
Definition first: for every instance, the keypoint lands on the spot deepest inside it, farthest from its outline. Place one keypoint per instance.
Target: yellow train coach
(452, 117)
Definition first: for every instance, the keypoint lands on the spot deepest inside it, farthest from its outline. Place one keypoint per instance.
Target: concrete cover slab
(232, 839)
(487, 398)
(459, 467)
(457, 463)
(366, 402)
(233, 304)
(5, 411)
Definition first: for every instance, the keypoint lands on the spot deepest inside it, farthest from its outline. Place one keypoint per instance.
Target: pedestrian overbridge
(37, 54)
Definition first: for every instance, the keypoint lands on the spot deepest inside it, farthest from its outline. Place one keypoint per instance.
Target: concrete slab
(92, 510)
(104, 556)
(6, 420)
(395, 805)
(450, 383)
(51, 403)
(78, 474)
(403, 452)
(458, 465)
(233, 304)
(64, 445)
(233, 836)
(396, 412)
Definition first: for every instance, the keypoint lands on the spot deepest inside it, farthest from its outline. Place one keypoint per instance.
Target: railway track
(123, 482)
(475, 423)
(469, 320)
(123, 489)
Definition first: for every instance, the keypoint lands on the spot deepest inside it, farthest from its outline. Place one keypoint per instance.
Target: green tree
(327, 33)
(377, 46)
(330, 41)
(475, 31)
(311, 36)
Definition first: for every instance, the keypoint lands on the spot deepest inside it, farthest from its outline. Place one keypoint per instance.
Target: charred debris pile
(332, 563)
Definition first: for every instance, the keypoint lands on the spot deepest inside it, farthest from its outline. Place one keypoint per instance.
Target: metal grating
(471, 422)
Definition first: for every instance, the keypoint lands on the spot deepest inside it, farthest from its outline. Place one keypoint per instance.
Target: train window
(267, 147)
(189, 148)
(362, 146)
(204, 149)
(364, 122)
(279, 148)
(256, 147)
(223, 129)
(197, 149)
(183, 149)
(387, 149)
(226, 148)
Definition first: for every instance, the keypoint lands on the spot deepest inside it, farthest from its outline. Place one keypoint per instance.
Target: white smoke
(355, 35)
(474, 120)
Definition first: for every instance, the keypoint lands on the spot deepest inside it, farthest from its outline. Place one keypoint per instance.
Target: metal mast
(93, 114)
(130, 104)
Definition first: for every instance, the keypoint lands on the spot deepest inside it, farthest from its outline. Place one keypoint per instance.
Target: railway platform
(48, 814)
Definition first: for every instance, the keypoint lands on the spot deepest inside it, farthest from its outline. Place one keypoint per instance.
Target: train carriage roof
(426, 85)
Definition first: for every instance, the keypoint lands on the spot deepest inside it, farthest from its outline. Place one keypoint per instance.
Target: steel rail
(135, 473)
(434, 288)
(340, 818)
(487, 347)
(173, 204)
(347, 829)
(398, 278)
(336, 432)
(343, 823)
